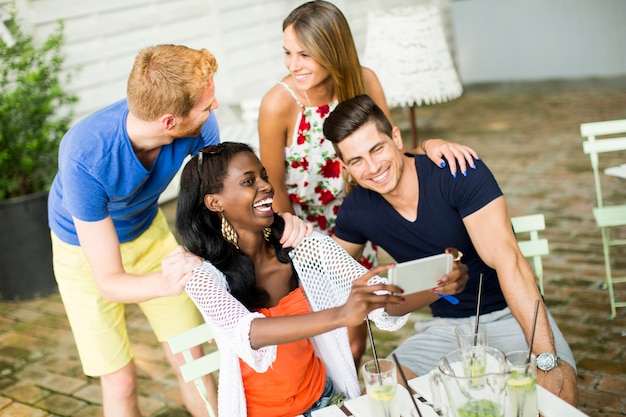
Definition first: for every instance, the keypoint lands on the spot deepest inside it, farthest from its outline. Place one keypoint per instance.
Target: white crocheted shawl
(326, 274)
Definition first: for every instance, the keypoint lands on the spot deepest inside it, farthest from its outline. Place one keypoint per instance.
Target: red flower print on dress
(295, 198)
(301, 163)
(322, 222)
(305, 126)
(323, 110)
(366, 263)
(326, 196)
(331, 169)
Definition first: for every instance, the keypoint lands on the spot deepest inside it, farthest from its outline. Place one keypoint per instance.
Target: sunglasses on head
(209, 150)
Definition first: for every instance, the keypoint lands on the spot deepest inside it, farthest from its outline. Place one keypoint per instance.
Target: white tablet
(420, 274)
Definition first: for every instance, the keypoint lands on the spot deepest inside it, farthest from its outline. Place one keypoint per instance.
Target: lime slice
(520, 380)
(382, 393)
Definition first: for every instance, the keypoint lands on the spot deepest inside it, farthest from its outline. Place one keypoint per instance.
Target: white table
(549, 404)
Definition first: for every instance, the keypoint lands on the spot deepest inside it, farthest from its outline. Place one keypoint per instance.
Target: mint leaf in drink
(480, 408)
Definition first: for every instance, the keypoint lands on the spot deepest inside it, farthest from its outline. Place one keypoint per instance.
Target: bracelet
(423, 147)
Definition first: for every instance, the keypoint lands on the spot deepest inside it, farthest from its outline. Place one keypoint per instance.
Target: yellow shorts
(99, 325)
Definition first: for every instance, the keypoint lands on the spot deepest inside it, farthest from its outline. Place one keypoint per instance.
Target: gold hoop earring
(229, 232)
(267, 233)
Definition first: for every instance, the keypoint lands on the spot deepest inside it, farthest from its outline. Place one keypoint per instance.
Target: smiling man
(412, 209)
(111, 242)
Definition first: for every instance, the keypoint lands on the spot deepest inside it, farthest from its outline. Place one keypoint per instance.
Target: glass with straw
(474, 336)
(381, 383)
(521, 385)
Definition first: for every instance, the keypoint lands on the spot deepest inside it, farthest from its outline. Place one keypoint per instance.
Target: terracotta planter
(25, 248)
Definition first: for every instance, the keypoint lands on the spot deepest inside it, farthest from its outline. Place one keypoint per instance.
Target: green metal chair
(607, 216)
(195, 369)
(533, 247)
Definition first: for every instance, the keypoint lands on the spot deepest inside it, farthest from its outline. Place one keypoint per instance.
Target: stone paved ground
(527, 134)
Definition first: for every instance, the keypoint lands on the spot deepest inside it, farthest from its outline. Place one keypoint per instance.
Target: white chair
(239, 123)
(606, 214)
(195, 369)
(533, 247)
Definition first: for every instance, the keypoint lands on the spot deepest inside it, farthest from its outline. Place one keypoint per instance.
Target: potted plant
(35, 112)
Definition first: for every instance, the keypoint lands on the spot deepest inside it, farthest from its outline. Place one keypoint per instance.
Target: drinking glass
(466, 336)
(521, 384)
(381, 388)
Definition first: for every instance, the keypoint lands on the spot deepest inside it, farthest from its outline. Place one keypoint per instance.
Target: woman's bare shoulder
(277, 97)
(369, 76)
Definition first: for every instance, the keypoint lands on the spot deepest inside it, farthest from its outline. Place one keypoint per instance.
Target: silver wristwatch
(547, 361)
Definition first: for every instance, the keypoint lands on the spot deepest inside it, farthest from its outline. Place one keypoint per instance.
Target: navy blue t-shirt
(443, 203)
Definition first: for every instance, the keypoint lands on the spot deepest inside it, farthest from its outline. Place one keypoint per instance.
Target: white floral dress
(313, 173)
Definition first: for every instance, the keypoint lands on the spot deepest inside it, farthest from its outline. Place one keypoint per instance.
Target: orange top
(297, 377)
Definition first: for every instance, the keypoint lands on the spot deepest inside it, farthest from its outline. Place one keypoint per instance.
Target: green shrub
(35, 110)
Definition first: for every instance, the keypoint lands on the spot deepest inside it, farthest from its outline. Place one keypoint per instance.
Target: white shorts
(422, 351)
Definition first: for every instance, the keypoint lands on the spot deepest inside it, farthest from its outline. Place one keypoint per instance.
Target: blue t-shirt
(442, 205)
(100, 175)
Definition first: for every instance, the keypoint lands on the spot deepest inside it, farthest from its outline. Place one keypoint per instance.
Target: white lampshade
(407, 48)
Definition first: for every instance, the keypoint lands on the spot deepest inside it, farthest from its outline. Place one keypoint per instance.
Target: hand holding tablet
(422, 274)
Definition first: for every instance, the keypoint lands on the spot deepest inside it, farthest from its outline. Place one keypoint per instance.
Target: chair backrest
(533, 247)
(240, 122)
(594, 146)
(195, 369)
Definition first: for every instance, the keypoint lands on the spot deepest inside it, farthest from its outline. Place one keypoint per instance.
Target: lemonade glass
(381, 388)
(521, 384)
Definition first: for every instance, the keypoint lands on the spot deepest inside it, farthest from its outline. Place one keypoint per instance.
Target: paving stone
(615, 384)
(27, 316)
(593, 413)
(62, 384)
(4, 402)
(22, 410)
(23, 393)
(90, 411)
(173, 412)
(150, 406)
(149, 352)
(91, 393)
(603, 366)
(599, 400)
(586, 380)
(62, 405)
(148, 369)
(173, 395)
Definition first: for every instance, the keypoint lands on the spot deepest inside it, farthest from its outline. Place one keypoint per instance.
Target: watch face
(545, 361)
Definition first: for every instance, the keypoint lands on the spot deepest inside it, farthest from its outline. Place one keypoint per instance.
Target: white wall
(494, 40)
(103, 37)
(517, 40)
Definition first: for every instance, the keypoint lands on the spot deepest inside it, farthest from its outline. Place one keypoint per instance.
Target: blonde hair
(324, 33)
(168, 79)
